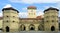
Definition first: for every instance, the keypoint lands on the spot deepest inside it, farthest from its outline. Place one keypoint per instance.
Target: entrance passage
(7, 29)
(52, 28)
(31, 27)
(22, 27)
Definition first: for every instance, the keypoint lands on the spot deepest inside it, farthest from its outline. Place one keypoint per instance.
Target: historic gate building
(12, 23)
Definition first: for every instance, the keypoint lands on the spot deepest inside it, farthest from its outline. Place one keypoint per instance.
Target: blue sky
(21, 5)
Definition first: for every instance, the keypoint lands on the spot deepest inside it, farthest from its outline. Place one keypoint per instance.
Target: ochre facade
(31, 24)
(10, 20)
(12, 23)
(51, 19)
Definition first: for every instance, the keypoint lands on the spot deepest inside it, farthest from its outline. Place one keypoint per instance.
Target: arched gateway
(7, 29)
(52, 28)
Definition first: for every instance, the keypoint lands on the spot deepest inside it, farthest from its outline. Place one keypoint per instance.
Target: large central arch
(52, 28)
(7, 29)
(31, 27)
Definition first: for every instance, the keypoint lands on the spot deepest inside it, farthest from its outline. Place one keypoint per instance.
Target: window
(7, 21)
(13, 16)
(13, 21)
(57, 20)
(7, 16)
(46, 21)
(52, 20)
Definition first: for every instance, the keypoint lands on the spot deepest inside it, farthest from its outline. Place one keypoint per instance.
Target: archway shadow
(7, 29)
(52, 28)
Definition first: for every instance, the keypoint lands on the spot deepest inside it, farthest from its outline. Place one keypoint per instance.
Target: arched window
(31, 27)
(52, 28)
(22, 27)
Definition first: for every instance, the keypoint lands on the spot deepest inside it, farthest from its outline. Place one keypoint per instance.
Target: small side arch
(40, 28)
(22, 27)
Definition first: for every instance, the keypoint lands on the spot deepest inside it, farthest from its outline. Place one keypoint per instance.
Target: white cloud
(34, 1)
(23, 14)
(46, 7)
(24, 9)
(39, 12)
(58, 5)
(1, 14)
(7, 6)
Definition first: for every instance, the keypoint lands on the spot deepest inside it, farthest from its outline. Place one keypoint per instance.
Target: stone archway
(22, 27)
(31, 27)
(40, 28)
(52, 28)
(7, 29)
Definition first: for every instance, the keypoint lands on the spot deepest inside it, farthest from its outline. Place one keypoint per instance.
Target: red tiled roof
(39, 17)
(31, 7)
